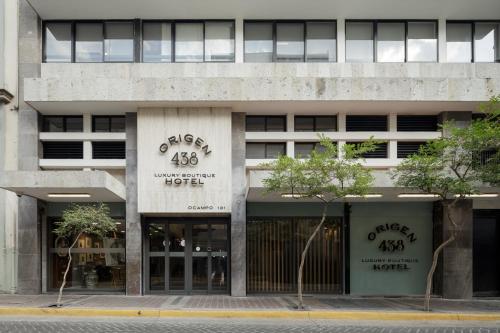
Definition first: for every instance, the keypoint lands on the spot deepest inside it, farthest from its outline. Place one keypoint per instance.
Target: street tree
(323, 177)
(78, 220)
(453, 168)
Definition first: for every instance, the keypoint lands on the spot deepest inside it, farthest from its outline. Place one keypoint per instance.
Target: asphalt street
(199, 325)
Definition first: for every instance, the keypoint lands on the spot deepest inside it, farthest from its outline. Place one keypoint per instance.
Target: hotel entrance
(186, 256)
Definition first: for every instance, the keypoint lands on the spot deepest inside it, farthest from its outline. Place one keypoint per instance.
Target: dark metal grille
(62, 150)
(108, 150)
(417, 123)
(406, 149)
(366, 123)
(379, 152)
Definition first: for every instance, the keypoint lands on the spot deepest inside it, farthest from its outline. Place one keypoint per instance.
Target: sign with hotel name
(184, 160)
(391, 238)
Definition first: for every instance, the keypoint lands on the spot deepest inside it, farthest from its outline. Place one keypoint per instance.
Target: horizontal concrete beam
(346, 136)
(99, 184)
(82, 136)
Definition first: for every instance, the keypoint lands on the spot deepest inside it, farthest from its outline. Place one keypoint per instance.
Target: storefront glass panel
(274, 247)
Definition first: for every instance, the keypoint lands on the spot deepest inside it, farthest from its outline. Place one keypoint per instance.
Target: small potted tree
(79, 219)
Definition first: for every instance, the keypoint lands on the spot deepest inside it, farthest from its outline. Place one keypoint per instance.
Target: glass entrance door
(186, 257)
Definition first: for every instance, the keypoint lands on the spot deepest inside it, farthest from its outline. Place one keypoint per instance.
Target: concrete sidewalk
(251, 307)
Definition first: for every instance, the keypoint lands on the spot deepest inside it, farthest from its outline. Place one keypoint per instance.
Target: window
(366, 123)
(266, 123)
(379, 152)
(290, 42)
(119, 42)
(422, 41)
(315, 123)
(390, 42)
(487, 42)
(108, 150)
(62, 150)
(396, 41)
(359, 42)
(157, 42)
(219, 41)
(304, 149)
(108, 124)
(459, 42)
(417, 123)
(406, 149)
(297, 41)
(259, 150)
(89, 42)
(57, 42)
(321, 42)
(189, 42)
(62, 124)
(258, 42)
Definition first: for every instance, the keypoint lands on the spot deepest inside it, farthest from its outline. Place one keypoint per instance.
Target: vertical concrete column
(341, 127)
(442, 39)
(290, 127)
(29, 231)
(454, 276)
(238, 40)
(133, 218)
(393, 145)
(341, 40)
(238, 207)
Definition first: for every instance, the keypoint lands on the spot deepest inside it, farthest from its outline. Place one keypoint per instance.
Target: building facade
(166, 110)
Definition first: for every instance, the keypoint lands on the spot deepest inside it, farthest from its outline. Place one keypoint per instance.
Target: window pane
(219, 41)
(290, 42)
(422, 41)
(304, 124)
(304, 149)
(157, 42)
(276, 124)
(53, 124)
(258, 42)
(117, 124)
(89, 42)
(255, 150)
(58, 42)
(458, 42)
(101, 124)
(484, 42)
(326, 124)
(359, 42)
(321, 42)
(74, 124)
(189, 42)
(273, 150)
(119, 41)
(256, 124)
(391, 42)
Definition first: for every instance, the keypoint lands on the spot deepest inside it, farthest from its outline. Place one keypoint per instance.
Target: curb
(157, 313)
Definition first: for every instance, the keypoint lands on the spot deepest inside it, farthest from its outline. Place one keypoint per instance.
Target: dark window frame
(65, 123)
(96, 143)
(172, 39)
(80, 151)
(375, 35)
(265, 149)
(266, 118)
(109, 123)
(472, 23)
(315, 119)
(304, 23)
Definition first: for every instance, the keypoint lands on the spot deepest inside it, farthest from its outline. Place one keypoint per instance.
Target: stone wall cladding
(264, 82)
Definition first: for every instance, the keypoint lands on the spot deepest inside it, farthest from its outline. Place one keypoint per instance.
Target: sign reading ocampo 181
(184, 159)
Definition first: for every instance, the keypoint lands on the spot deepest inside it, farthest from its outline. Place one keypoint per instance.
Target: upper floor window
(473, 41)
(294, 41)
(391, 41)
(62, 124)
(211, 41)
(421, 123)
(265, 150)
(315, 123)
(108, 124)
(355, 123)
(266, 123)
(58, 37)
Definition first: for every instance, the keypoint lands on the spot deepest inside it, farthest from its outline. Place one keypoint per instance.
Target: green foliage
(92, 219)
(455, 165)
(322, 175)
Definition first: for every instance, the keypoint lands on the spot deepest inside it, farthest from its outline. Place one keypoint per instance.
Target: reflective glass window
(258, 42)
(290, 42)
(390, 42)
(321, 42)
(422, 41)
(58, 42)
(459, 42)
(189, 42)
(89, 42)
(219, 41)
(157, 42)
(486, 42)
(359, 42)
(119, 41)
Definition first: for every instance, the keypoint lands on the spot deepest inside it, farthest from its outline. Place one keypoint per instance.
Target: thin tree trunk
(58, 303)
(303, 257)
(435, 256)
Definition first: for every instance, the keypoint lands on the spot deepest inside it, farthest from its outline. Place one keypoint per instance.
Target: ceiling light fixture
(371, 195)
(68, 195)
(417, 195)
(480, 195)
